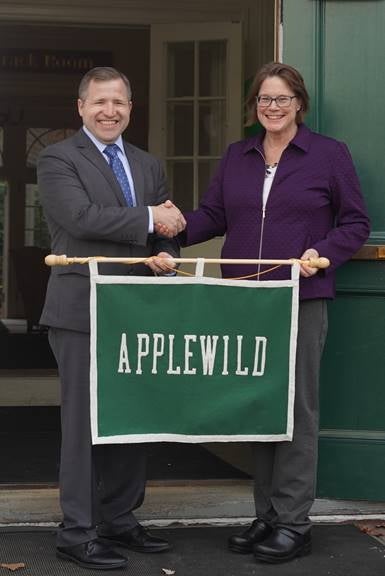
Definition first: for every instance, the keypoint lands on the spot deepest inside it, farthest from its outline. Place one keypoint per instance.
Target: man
(101, 196)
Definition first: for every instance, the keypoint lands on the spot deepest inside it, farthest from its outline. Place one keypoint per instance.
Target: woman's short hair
(289, 75)
(102, 74)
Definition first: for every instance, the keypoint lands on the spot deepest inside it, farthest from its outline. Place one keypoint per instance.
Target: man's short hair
(102, 74)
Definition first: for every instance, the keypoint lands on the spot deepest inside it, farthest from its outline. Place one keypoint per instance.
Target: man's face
(106, 109)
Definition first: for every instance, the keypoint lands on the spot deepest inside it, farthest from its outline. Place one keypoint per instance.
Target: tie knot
(111, 150)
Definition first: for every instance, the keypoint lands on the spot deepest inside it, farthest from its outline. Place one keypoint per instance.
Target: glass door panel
(212, 68)
(35, 227)
(3, 259)
(195, 100)
(212, 128)
(39, 138)
(180, 69)
(180, 179)
(23, 230)
(195, 114)
(1, 146)
(196, 107)
(206, 169)
(180, 129)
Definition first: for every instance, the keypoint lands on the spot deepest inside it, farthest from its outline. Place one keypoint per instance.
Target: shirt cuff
(150, 221)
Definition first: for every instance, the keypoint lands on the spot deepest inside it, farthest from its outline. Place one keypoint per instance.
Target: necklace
(270, 167)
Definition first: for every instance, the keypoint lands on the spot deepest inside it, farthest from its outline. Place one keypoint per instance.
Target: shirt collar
(100, 145)
(301, 140)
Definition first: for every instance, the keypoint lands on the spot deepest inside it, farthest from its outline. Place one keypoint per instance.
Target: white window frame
(161, 34)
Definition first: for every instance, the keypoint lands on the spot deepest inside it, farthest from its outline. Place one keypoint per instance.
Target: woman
(287, 192)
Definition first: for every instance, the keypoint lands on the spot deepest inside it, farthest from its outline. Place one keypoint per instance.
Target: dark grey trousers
(285, 473)
(98, 484)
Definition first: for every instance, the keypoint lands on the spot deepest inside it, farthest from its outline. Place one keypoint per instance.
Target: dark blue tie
(116, 164)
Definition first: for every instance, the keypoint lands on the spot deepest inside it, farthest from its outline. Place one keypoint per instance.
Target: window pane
(180, 69)
(212, 68)
(211, 128)
(206, 169)
(39, 138)
(180, 129)
(35, 229)
(180, 179)
(3, 191)
(1, 146)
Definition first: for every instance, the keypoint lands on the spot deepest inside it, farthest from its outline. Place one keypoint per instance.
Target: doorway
(37, 106)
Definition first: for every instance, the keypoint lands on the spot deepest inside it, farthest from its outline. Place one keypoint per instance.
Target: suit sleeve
(83, 210)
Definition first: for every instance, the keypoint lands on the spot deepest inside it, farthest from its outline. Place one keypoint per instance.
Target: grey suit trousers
(99, 485)
(285, 472)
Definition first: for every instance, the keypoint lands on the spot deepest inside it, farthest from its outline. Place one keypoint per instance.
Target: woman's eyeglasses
(281, 101)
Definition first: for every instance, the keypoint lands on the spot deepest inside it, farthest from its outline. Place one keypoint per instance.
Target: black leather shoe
(93, 554)
(243, 543)
(283, 545)
(138, 539)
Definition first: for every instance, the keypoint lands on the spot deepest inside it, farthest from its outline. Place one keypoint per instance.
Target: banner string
(255, 275)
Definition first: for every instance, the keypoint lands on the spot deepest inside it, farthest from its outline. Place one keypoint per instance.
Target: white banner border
(96, 278)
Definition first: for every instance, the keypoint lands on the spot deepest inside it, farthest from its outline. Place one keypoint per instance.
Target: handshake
(168, 219)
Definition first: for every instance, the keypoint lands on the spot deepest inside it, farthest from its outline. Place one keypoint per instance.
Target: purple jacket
(315, 202)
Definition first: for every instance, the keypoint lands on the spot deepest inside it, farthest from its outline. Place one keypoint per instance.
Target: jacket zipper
(263, 217)
(261, 238)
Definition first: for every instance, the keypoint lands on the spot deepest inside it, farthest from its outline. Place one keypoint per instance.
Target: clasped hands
(168, 219)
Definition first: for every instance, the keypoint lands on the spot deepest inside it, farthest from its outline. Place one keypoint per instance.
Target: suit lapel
(137, 172)
(89, 151)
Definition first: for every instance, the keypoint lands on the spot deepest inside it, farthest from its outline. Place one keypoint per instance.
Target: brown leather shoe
(243, 543)
(138, 539)
(93, 554)
(283, 545)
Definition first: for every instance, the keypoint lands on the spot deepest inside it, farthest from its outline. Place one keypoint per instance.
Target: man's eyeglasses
(281, 101)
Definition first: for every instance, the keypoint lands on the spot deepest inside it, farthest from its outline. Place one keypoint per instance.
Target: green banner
(192, 359)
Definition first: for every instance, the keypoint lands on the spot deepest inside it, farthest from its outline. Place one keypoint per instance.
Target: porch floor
(337, 551)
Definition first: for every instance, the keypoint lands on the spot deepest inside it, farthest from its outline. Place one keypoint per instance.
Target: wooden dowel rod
(63, 260)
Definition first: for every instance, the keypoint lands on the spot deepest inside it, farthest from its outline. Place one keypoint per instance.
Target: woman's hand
(306, 270)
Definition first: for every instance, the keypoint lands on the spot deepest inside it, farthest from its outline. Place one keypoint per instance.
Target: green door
(339, 47)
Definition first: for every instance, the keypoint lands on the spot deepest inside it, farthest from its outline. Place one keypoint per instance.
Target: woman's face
(275, 118)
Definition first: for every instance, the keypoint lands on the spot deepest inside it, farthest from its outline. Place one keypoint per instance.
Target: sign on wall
(53, 61)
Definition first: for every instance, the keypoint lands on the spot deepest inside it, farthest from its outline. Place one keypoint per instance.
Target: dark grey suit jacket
(87, 216)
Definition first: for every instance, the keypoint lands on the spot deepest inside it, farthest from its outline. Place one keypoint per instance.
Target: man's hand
(159, 265)
(168, 219)
(306, 270)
